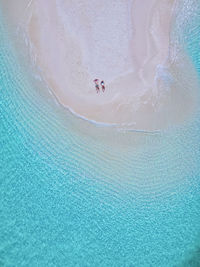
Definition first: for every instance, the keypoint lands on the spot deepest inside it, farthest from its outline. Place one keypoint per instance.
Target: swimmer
(103, 86)
(97, 85)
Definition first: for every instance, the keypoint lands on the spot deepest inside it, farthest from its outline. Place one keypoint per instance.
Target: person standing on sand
(96, 85)
(103, 86)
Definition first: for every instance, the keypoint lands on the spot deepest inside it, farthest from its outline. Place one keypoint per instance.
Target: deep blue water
(73, 194)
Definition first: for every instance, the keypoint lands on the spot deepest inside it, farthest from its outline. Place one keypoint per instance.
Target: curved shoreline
(140, 95)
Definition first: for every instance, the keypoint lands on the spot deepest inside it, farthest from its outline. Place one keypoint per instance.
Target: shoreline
(138, 96)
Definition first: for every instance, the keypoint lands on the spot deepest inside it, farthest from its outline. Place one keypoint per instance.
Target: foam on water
(78, 195)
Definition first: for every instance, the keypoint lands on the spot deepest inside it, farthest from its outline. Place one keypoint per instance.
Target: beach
(76, 193)
(124, 43)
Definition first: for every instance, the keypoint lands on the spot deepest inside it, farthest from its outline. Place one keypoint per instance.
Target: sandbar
(124, 43)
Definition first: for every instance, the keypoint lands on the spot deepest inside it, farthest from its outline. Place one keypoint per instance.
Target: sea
(73, 193)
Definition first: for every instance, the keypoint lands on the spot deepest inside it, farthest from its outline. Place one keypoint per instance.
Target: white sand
(124, 43)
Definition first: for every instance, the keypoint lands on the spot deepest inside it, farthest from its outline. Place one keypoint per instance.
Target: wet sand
(125, 43)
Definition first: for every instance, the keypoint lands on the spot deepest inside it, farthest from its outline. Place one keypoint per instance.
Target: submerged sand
(125, 43)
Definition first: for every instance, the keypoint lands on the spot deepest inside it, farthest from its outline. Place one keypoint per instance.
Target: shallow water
(73, 194)
(159, 93)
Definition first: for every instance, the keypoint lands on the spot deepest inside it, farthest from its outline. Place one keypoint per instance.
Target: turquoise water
(73, 194)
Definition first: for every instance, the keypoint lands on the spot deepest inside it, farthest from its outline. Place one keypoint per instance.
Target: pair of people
(96, 81)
